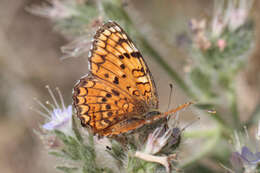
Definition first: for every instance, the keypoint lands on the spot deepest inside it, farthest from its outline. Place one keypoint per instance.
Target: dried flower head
(77, 47)
(82, 44)
(231, 16)
(238, 12)
(220, 19)
(200, 39)
(55, 9)
(157, 140)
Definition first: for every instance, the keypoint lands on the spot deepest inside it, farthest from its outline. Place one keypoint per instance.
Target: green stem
(234, 109)
(254, 116)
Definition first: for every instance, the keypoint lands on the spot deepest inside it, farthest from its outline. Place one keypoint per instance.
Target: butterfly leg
(123, 127)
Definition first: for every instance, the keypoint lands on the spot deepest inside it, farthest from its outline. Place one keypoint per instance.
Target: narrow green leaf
(57, 154)
(66, 169)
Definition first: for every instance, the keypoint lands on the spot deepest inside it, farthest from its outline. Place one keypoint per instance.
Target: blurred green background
(30, 59)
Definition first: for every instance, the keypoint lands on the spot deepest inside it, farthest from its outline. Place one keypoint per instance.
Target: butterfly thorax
(140, 108)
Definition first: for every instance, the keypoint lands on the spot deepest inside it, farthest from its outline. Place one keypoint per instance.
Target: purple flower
(249, 157)
(59, 116)
(243, 159)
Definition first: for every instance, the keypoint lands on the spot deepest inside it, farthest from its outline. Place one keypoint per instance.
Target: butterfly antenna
(170, 96)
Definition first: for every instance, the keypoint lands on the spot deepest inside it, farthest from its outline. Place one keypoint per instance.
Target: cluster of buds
(199, 30)
(219, 49)
(226, 17)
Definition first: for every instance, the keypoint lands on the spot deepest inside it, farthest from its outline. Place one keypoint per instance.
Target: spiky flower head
(59, 117)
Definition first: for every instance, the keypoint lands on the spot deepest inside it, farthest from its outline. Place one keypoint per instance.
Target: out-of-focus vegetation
(214, 64)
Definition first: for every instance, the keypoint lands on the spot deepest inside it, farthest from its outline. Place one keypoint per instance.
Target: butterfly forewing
(115, 58)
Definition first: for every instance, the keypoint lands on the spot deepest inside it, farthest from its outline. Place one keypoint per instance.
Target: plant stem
(254, 117)
(234, 109)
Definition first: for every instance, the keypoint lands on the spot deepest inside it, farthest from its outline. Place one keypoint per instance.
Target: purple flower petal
(249, 157)
(64, 121)
(247, 153)
(48, 126)
(59, 118)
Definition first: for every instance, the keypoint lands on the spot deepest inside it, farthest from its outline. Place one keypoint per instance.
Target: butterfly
(119, 94)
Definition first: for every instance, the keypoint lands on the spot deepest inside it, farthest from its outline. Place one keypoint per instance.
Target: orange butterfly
(119, 94)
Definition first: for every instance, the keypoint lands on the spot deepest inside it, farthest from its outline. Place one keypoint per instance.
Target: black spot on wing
(136, 54)
(115, 92)
(127, 55)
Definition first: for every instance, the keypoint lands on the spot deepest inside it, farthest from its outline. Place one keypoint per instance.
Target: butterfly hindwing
(99, 104)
